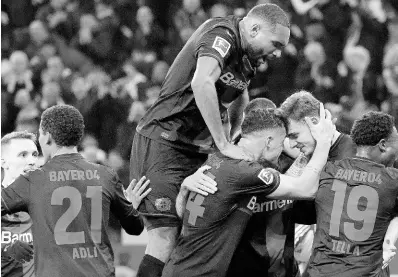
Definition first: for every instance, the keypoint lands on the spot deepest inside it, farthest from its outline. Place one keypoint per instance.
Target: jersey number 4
(75, 198)
(364, 214)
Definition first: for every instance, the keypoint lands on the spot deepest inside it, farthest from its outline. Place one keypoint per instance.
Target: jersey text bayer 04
(69, 201)
(356, 200)
(213, 225)
(175, 119)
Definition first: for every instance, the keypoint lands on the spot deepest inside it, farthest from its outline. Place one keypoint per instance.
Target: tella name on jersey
(345, 247)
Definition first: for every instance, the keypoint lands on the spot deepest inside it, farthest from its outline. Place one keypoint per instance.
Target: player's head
(263, 133)
(376, 135)
(19, 153)
(258, 104)
(295, 108)
(60, 126)
(266, 33)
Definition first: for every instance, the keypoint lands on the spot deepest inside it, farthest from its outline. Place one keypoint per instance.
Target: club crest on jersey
(266, 176)
(163, 204)
(221, 45)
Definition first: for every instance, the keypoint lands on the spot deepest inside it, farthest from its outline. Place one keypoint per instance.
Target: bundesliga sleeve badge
(221, 45)
(266, 176)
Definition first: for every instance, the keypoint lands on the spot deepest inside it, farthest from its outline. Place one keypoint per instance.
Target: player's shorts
(166, 167)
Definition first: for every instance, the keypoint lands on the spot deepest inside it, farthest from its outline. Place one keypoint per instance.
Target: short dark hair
(300, 105)
(262, 119)
(259, 103)
(371, 128)
(65, 124)
(270, 13)
(17, 135)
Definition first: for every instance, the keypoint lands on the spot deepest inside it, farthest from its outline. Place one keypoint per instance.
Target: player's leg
(166, 168)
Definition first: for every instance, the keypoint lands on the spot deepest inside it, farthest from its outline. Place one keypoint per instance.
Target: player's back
(69, 200)
(355, 203)
(213, 225)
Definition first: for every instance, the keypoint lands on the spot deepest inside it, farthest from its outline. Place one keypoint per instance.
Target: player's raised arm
(15, 197)
(124, 210)
(207, 72)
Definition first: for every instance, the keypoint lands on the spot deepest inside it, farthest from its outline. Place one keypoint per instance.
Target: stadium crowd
(109, 59)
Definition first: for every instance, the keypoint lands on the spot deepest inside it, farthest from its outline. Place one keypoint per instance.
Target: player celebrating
(18, 155)
(356, 200)
(69, 200)
(213, 225)
(187, 122)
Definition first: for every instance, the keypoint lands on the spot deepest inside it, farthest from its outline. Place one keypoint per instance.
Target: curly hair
(270, 13)
(371, 128)
(262, 119)
(300, 105)
(65, 124)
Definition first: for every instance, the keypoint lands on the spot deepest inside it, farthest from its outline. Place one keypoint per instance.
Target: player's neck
(242, 32)
(335, 136)
(8, 179)
(64, 151)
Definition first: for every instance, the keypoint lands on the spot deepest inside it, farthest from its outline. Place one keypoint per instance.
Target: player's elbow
(133, 226)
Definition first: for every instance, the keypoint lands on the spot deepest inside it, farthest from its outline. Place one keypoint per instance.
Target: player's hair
(258, 104)
(65, 124)
(270, 13)
(17, 135)
(262, 119)
(300, 105)
(371, 128)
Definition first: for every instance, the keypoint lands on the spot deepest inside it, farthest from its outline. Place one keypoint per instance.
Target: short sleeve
(218, 43)
(15, 197)
(327, 173)
(259, 180)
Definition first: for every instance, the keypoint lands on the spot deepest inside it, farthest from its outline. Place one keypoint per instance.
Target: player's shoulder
(225, 27)
(392, 172)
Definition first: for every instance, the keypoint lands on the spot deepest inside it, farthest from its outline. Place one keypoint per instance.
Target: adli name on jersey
(266, 176)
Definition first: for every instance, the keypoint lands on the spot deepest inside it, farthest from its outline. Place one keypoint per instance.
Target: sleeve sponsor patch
(221, 45)
(266, 176)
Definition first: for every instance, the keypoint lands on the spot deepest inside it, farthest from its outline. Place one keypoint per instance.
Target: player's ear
(382, 145)
(49, 138)
(255, 28)
(314, 120)
(4, 164)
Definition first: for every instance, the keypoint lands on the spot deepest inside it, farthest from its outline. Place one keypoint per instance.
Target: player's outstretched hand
(199, 182)
(235, 152)
(135, 192)
(324, 129)
(389, 252)
(19, 251)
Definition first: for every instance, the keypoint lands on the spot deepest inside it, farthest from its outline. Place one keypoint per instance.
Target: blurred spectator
(90, 150)
(123, 268)
(51, 96)
(390, 76)
(191, 15)
(28, 117)
(218, 10)
(317, 73)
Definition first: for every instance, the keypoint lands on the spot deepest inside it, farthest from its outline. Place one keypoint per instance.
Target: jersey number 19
(366, 215)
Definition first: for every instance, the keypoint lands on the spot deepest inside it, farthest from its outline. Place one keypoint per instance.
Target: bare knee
(161, 242)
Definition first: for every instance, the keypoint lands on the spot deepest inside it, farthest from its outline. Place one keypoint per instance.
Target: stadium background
(108, 58)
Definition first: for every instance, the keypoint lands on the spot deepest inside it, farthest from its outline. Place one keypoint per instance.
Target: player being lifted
(203, 95)
(19, 154)
(69, 200)
(213, 225)
(356, 200)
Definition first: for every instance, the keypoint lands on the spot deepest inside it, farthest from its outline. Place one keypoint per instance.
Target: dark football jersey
(14, 227)
(174, 118)
(213, 225)
(69, 201)
(355, 203)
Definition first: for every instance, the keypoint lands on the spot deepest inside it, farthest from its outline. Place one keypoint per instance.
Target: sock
(150, 267)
